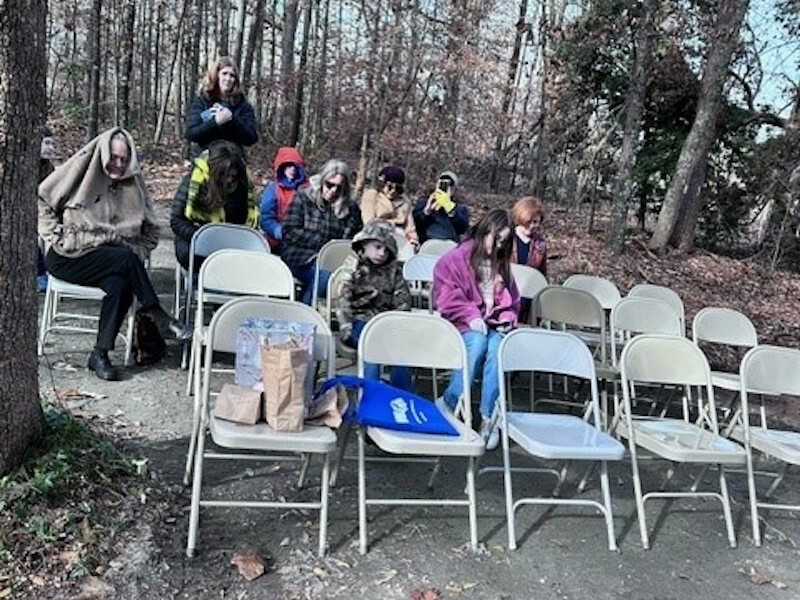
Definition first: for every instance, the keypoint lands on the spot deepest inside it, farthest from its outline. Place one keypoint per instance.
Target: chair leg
(323, 511)
(46, 319)
(753, 496)
(193, 359)
(606, 490)
(194, 515)
(306, 462)
(726, 506)
(637, 489)
(362, 493)
(194, 435)
(437, 466)
(512, 534)
(347, 429)
(473, 505)
(129, 336)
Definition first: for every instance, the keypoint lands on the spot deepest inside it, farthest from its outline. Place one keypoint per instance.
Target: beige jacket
(376, 205)
(81, 208)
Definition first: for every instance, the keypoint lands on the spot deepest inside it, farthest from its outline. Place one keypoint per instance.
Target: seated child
(374, 286)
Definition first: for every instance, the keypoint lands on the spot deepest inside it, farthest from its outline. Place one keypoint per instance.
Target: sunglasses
(332, 186)
(390, 185)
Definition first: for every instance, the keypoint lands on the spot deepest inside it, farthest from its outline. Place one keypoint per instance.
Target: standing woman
(217, 190)
(95, 215)
(321, 212)
(476, 292)
(220, 111)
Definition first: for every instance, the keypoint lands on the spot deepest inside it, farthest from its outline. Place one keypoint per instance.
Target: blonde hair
(526, 209)
(210, 86)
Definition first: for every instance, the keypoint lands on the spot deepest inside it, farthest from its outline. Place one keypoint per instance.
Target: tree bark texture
(94, 68)
(634, 109)
(683, 193)
(22, 111)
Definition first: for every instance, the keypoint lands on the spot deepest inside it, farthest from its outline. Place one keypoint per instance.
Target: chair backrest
(226, 321)
(668, 360)
(331, 256)
(415, 340)
(772, 370)
(546, 351)
(639, 314)
(601, 288)
(244, 272)
(723, 326)
(334, 291)
(405, 249)
(436, 247)
(663, 293)
(216, 236)
(529, 281)
(568, 306)
(420, 268)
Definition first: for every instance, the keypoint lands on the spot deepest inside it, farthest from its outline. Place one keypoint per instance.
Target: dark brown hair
(493, 222)
(224, 159)
(210, 87)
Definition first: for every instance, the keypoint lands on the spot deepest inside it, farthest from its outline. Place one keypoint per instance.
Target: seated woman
(95, 215)
(530, 247)
(386, 201)
(476, 292)
(318, 214)
(220, 111)
(440, 215)
(217, 190)
(290, 175)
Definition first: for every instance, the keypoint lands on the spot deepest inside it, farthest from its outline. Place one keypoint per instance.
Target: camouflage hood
(378, 230)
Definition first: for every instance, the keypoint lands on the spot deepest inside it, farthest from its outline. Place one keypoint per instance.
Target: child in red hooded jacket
(290, 175)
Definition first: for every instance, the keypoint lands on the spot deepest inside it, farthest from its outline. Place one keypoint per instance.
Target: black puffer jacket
(241, 129)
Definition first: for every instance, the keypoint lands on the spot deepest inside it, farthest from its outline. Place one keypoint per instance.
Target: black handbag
(148, 345)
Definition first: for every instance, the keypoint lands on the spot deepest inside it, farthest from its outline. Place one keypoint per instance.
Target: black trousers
(119, 273)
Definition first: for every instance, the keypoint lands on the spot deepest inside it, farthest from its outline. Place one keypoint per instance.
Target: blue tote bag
(382, 405)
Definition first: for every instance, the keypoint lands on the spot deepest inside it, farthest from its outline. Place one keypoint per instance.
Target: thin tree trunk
(175, 53)
(288, 85)
(23, 73)
(634, 108)
(254, 41)
(241, 13)
(683, 191)
(297, 118)
(128, 25)
(94, 68)
(223, 34)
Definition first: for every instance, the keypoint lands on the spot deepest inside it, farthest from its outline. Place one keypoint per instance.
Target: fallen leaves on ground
(428, 594)
(759, 578)
(250, 563)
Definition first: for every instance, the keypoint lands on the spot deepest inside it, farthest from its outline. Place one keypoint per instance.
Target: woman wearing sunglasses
(386, 201)
(319, 213)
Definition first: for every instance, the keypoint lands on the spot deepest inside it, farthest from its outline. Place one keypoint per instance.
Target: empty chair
(663, 293)
(418, 272)
(331, 256)
(405, 249)
(529, 282)
(53, 317)
(393, 338)
(728, 327)
(773, 371)
(603, 289)
(436, 247)
(259, 440)
(553, 436)
(639, 314)
(331, 304)
(676, 361)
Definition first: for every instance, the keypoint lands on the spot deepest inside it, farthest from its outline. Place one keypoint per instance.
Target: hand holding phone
(443, 200)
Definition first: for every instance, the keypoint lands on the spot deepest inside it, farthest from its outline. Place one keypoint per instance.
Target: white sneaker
(489, 433)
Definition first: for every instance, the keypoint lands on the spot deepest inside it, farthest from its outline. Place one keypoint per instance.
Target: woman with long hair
(321, 212)
(96, 218)
(220, 111)
(476, 292)
(217, 190)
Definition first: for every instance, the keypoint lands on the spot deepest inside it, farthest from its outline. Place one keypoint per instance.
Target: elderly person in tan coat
(96, 218)
(387, 202)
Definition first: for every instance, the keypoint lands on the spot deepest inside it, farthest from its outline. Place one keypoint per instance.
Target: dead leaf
(68, 557)
(756, 577)
(458, 588)
(94, 588)
(428, 594)
(37, 580)
(321, 573)
(385, 576)
(250, 563)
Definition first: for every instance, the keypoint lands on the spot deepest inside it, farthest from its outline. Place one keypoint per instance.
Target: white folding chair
(418, 272)
(405, 249)
(436, 247)
(663, 293)
(393, 338)
(331, 302)
(672, 360)
(331, 256)
(529, 282)
(259, 440)
(773, 371)
(53, 317)
(226, 274)
(603, 289)
(553, 436)
(725, 326)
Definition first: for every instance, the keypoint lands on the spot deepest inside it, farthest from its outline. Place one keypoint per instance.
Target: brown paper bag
(329, 408)
(238, 404)
(284, 370)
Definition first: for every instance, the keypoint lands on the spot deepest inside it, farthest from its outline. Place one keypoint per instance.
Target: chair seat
(73, 289)
(726, 381)
(313, 439)
(679, 441)
(783, 445)
(467, 443)
(606, 372)
(562, 437)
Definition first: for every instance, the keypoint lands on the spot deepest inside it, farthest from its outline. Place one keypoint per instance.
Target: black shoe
(181, 331)
(101, 365)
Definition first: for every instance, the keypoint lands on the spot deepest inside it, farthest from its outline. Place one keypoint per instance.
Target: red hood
(287, 154)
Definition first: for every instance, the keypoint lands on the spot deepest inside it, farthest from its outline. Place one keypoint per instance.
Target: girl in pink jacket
(475, 291)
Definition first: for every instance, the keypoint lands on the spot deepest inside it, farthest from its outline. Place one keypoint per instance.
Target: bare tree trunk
(175, 53)
(297, 118)
(23, 74)
(241, 13)
(94, 68)
(683, 192)
(254, 42)
(290, 10)
(128, 25)
(634, 108)
(223, 34)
